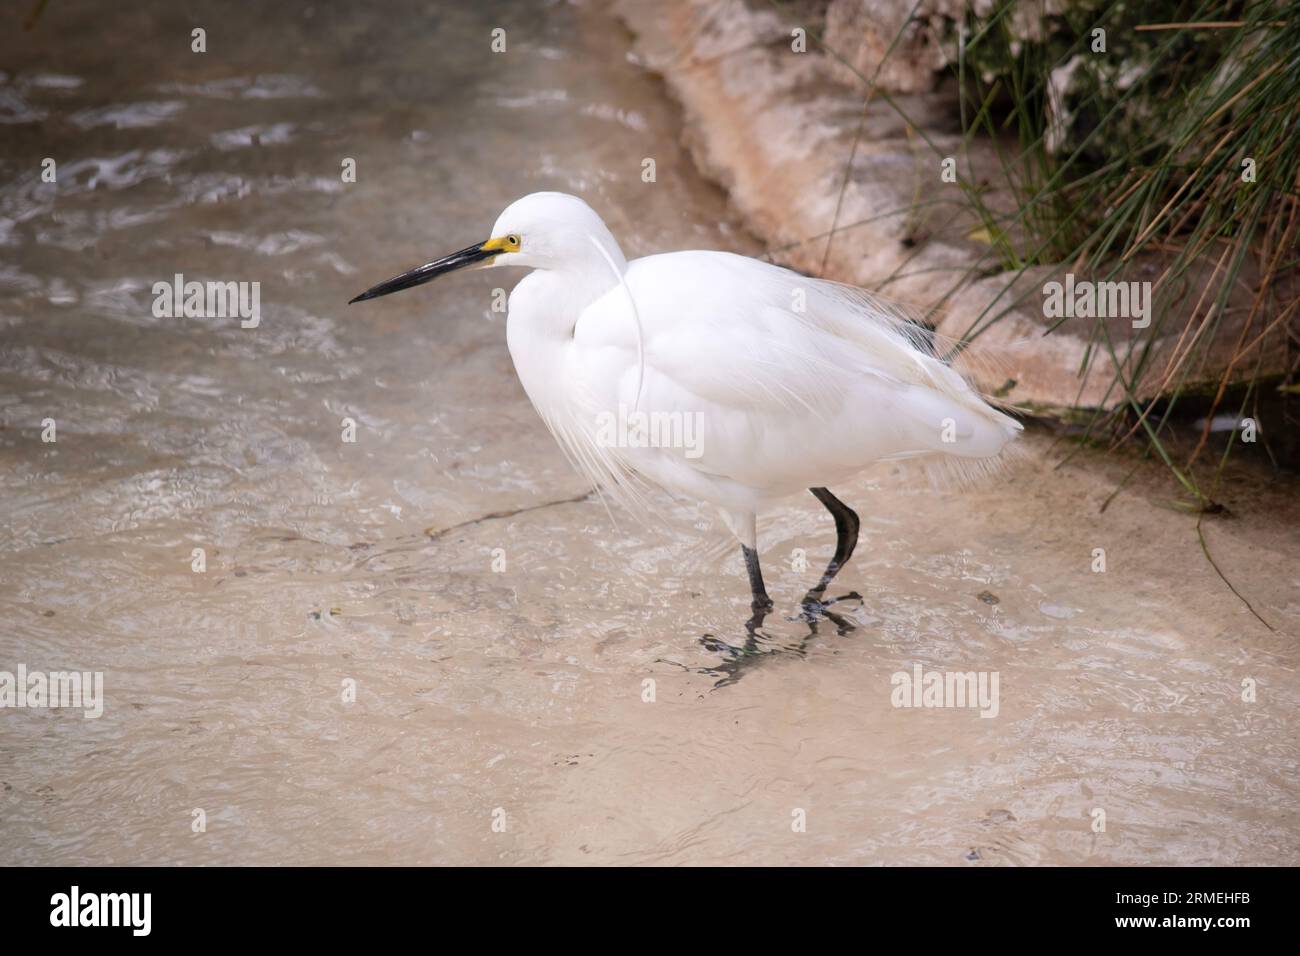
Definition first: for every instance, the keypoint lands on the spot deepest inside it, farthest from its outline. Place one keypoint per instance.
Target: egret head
(540, 231)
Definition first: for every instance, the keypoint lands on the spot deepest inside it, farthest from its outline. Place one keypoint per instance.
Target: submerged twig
(1205, 549)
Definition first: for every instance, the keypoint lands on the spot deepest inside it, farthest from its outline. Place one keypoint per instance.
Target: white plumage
(791, 383)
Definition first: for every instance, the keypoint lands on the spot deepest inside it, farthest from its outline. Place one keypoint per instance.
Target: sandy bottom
(532, 684)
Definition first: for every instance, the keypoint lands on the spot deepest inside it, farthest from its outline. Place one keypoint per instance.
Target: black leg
(761, 600)
(846, 538)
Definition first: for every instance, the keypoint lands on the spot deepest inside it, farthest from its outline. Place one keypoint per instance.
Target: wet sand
(500, 659)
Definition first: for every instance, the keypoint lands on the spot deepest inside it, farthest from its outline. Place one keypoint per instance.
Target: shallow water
(501, 657)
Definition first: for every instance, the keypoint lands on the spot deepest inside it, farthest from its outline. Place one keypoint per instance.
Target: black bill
(430, 271)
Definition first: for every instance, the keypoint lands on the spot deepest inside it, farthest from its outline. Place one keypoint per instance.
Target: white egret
(765, 382)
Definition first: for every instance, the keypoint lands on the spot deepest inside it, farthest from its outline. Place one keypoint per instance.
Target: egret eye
(512, 240)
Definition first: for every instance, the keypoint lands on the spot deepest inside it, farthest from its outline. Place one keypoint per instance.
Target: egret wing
(786, 371)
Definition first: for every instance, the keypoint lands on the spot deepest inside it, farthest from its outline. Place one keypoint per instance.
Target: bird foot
(814, 607)
(815, 600)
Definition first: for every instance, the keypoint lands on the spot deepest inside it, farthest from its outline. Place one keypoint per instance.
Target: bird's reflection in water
(760, 645)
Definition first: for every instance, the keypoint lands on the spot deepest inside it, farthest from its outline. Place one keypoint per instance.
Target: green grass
(1141, 160)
